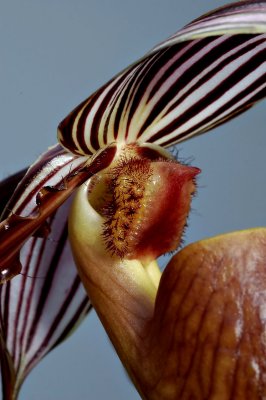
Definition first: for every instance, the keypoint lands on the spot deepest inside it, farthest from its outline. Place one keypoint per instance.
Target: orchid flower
(198, 329)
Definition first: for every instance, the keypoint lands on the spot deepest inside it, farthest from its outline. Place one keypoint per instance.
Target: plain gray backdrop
(53, 55)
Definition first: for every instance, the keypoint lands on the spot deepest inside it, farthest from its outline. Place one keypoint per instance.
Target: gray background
(53, 55)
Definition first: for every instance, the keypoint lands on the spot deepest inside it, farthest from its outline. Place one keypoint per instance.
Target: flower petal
(240, 17)
(8, 186)
(211, 304)
(181, 88)
(46, 186)
(196, 331)
(40, 307)
(202, 334)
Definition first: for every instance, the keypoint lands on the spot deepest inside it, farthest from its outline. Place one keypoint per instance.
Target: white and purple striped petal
(46, 186)
(181, 88)
(246, 17)
(40, 307)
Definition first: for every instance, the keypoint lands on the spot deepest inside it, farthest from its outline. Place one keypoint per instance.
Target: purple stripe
(94, 134)
(122, 99)
(249, 14)
(193, 71)
(80, 137)
(189, 48)
(84, 308)
(31, 174)
(212, 96)
(65, 127)
(40, 185)
(132, 99)
(67, 302)
(5, 314)
(21, 298)
(180, 81)
(253, 99)
(111, 99)
(239, 52)
(47, 284)
(40, 247)
(7, 188)
(243, 6)
(125, 84)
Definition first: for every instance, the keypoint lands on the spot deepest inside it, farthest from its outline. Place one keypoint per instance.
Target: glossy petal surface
(46, 186)
(41, 306)
(202, 76)
(202, 335)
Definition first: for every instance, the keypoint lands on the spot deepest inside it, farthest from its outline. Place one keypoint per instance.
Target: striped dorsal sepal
(202, 76)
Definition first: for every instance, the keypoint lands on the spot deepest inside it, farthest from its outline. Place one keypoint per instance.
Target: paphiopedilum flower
(199, 331)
